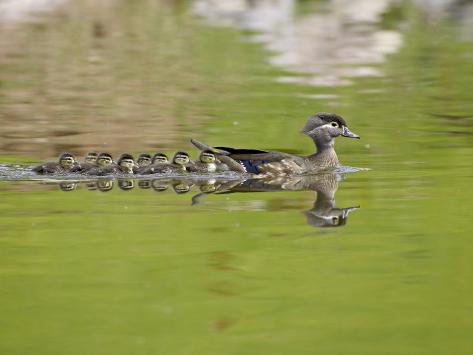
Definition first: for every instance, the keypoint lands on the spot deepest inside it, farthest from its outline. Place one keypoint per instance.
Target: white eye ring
(334, 124)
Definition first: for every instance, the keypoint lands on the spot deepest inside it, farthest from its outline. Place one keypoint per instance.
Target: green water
(144, 272)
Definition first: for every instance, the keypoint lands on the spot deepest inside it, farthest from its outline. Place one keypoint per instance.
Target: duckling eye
(334, 124)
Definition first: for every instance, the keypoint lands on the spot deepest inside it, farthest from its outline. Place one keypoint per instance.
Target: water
(146, 270)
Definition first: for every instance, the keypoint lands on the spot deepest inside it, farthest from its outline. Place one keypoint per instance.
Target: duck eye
(334, 124)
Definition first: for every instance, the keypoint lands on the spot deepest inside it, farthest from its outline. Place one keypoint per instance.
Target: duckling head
(144, 159)
(67, 161)
(207, 157)
(104, 159)
(181, 158)
(126, 163)
(91, 157)
(160, 158)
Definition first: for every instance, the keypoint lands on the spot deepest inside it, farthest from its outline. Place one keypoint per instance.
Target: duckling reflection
(91, 185)
(126, 184)
(144, 184)
(159, 185)
(105, 185)
(324, 213)
(67, 186)
(207, 187)
(181, 187)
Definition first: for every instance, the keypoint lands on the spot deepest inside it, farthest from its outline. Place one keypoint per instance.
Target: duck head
(324, 127)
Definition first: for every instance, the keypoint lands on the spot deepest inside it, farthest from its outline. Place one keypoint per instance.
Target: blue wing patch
(252, 166)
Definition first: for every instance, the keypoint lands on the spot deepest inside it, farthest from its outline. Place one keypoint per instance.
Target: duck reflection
(323, 213)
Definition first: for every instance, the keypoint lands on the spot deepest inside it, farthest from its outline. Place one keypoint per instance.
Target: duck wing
(259, 161)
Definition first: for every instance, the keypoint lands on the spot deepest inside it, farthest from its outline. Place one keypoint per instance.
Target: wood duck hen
(323, 128)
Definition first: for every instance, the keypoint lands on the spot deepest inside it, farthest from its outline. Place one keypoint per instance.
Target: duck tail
(201, 146)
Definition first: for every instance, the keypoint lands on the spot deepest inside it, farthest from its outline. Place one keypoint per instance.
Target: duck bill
(347, 133)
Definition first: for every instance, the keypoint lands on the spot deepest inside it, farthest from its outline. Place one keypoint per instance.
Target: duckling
(206, 164)
(124, 165)
(158, 161)
(323, 128)
(104, 165)
(104, 159)
(90, 162)
(160, 158)
(91, 157)
(180, 164)
(66, 164)
(144, 159)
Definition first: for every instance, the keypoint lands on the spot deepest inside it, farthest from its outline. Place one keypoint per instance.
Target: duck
(322, 128)
(66, 163)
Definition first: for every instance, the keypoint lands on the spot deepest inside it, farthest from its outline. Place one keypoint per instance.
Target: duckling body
(158, 162)
(180, 164)
(104, 166)
(144, 159)
(322, 127)
(65, 164)
(206, 164)
(89, 162)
